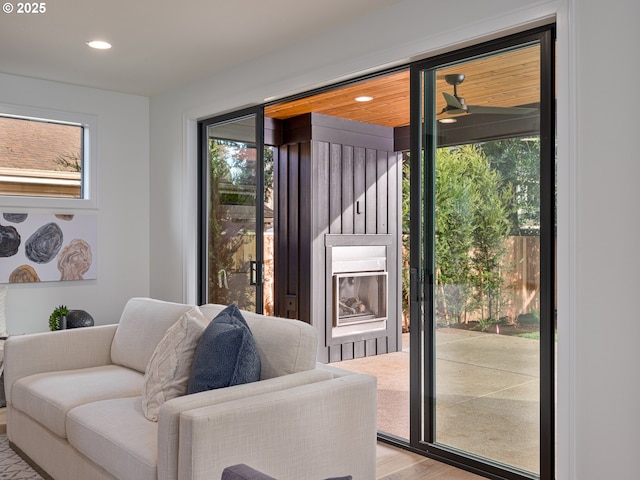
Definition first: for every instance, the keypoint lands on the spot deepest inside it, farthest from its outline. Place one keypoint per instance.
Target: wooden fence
(521, 271)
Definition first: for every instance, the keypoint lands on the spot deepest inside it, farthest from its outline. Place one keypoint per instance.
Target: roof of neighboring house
(28, 144)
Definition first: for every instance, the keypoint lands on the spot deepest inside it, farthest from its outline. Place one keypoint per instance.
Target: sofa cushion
(115, 435)
(167, 375)
(285, 345)
(48, 397)
(226, 354)
(143, 323)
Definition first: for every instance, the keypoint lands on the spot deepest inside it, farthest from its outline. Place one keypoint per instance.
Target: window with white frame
(47, 158)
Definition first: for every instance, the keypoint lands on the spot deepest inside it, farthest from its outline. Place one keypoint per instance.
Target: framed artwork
(37, 247)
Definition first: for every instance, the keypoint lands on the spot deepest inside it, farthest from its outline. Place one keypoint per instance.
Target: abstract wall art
(39, 247)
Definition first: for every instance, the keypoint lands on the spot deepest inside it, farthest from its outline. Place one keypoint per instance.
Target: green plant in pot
(56, 317)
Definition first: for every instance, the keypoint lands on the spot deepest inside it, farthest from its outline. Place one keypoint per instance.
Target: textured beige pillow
(167, 374)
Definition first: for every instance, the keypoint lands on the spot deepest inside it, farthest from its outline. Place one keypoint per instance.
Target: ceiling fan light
(448, 120)
(363, 98)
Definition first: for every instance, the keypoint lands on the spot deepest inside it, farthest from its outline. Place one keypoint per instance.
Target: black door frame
(422, 262)
(421, 279)
(203, 187)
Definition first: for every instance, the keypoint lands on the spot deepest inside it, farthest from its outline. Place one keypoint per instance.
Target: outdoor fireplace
(360, 297)
(359, 294)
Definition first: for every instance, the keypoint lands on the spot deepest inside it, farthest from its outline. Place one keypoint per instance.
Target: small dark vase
(79, 318)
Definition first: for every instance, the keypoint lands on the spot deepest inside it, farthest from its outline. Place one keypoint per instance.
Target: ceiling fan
(457, 105)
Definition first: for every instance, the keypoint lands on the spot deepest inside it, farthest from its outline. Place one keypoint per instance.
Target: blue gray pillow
(226, 354)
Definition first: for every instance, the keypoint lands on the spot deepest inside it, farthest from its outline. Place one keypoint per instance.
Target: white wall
(606, 285)
(122, 209)
(598, 168)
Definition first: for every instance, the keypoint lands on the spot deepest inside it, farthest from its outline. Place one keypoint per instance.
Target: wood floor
(3, 421)
(397, 464)
(393, 463)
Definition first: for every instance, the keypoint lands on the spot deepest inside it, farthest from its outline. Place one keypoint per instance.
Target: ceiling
(509, 79)
(159, 44)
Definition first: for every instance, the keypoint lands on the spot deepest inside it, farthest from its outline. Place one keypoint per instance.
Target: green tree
(232, 184)
(518, 161)
(472, 222)
(406, 238)
(228, 170)
(491, 200)
(454, 233)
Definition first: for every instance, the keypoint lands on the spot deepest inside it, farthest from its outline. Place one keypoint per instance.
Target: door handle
(255, 273)
(414, 288)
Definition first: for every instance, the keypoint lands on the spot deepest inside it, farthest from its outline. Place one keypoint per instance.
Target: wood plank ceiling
(508, 79)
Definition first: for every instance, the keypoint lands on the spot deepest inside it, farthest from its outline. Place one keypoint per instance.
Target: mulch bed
(504, 328)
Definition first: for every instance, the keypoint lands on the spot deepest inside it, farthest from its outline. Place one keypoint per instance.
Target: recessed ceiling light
(447, 120)
(99, 44)
(364, 98)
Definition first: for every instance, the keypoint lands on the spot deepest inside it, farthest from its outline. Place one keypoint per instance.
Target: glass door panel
(269, 210)
(483, 260)
(233, 269)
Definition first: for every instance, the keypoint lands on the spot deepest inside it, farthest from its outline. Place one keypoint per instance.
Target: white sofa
(74, 406)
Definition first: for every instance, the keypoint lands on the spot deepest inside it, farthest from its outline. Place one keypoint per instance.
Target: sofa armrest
(335, 371)
(26, 355)
(169, 416)
(319, 430)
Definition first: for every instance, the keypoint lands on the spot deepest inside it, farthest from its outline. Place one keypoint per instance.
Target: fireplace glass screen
(359, 297)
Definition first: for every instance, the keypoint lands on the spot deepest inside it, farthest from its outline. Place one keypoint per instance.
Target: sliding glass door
(232, 211)
(483, 311)
(474, 385)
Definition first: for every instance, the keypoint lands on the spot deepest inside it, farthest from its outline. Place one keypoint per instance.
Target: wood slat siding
(292, 225)
(35, 189)
(347, 351)
(364, 176)
(382, 346)
(335, 354)
(347, 190)
(359, 349)
(308, 237)
(370, 347)
(328, 187)
(335, 190)
(359, 173)
(371, 181)
(358, 182)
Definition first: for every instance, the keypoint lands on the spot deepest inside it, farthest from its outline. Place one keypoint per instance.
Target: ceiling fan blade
(452, 111)
(453, 102)
(501, 110)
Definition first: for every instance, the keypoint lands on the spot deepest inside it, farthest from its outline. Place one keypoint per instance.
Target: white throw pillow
(167, 375)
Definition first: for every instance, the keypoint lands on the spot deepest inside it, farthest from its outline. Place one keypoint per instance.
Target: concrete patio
(487, 394)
